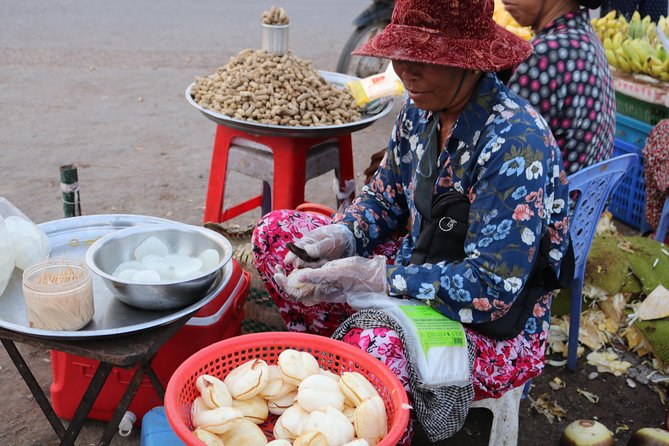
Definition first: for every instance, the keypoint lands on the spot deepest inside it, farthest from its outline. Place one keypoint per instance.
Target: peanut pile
(270, 89)
(275, 16)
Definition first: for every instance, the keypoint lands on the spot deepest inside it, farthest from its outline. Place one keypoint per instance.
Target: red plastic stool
(293, 161)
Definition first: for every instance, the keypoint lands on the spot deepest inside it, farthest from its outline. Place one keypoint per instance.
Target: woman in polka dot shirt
(567, 78)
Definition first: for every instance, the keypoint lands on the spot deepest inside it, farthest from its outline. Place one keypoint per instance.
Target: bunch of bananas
(634, 46)
(503, 18)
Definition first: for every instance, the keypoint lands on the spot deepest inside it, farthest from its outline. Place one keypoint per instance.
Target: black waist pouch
(442, 238)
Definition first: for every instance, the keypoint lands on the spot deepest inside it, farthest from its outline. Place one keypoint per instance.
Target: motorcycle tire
(361, 66)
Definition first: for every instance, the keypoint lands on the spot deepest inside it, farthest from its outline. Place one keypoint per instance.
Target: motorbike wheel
(361, 66)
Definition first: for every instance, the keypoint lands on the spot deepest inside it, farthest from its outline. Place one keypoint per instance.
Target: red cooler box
(219, 319)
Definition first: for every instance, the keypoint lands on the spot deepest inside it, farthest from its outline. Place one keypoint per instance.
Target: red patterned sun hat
(455, 33)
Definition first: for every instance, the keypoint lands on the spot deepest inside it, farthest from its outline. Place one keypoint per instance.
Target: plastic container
(275, 39)
(58, 294)
(646, 112)
(333, 355)
(632, 130)
(219, 319)
(156, 431)
(628, 200)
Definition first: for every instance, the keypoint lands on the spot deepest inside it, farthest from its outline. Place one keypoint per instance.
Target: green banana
(617, 40)
(611, 58)
(631, 53)
(623, 62)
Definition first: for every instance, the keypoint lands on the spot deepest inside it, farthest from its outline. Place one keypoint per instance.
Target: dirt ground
(100, 85)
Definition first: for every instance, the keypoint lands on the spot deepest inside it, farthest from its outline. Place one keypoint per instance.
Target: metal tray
(320, 131)
(71, 237)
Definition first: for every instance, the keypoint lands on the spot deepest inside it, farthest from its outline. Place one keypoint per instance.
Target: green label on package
(433, 328)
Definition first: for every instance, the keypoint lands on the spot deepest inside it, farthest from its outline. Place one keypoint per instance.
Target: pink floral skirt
(499, 365)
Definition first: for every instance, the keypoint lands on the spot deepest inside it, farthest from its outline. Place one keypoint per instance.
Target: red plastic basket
(220, 358)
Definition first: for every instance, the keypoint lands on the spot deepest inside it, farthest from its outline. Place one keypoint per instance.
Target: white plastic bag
(6, 257)
(438, 343)
(28, 243)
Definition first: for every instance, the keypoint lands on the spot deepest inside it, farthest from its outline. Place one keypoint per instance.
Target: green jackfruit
(607, 267)
(646, 253)
(657, 334)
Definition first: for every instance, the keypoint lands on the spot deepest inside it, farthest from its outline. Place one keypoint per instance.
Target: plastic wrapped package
(6, 257)
(438, 343)
(28, 243)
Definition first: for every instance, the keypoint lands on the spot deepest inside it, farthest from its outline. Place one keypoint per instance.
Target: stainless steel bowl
(106, 253)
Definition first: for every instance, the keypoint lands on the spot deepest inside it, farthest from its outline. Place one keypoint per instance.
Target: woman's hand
(323, 244)
(334, 280)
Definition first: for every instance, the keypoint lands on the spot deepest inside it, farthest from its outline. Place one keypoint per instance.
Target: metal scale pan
(71, 237)
(321, 131)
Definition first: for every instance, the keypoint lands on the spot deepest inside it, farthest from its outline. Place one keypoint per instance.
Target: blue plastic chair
(595, 183)
(663, 225)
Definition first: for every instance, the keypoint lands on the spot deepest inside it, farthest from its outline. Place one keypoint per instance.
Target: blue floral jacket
(503, 156)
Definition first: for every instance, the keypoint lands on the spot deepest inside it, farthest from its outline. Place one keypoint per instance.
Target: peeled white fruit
(208, 438)
(209, 258)
(218, 420)
(248, 379)
(311, 438)
(213, 391)
(296, 365)
(276, 387)
(198, 406)
(146, 276)
(356, 388)
(357, 442)
(254, 409)
(279, 405)
(244, 433)
(371, 421)
(317, 392)
(332, 423)
(188, 269)
(279, 442)
(290, 424)
(152, 245)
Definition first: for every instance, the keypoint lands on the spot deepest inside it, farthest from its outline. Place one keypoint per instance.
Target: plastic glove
(334, 280)
(323, 243)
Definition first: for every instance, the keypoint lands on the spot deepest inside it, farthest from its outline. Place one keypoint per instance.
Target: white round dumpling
(189, 269)
(28, 243)
(146, 276)
(210, 259)
(152, 245)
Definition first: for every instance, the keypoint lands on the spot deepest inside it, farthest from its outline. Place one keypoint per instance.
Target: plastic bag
(6, 257)
(438, 343)
(28, 243)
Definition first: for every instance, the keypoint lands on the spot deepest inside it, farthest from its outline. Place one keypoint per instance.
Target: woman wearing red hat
(567, 78)
(462, 138)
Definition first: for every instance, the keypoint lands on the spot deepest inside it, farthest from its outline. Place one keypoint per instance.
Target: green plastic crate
(640, 110)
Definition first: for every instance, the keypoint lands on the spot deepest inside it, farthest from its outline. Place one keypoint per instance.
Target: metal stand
(128, 351)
